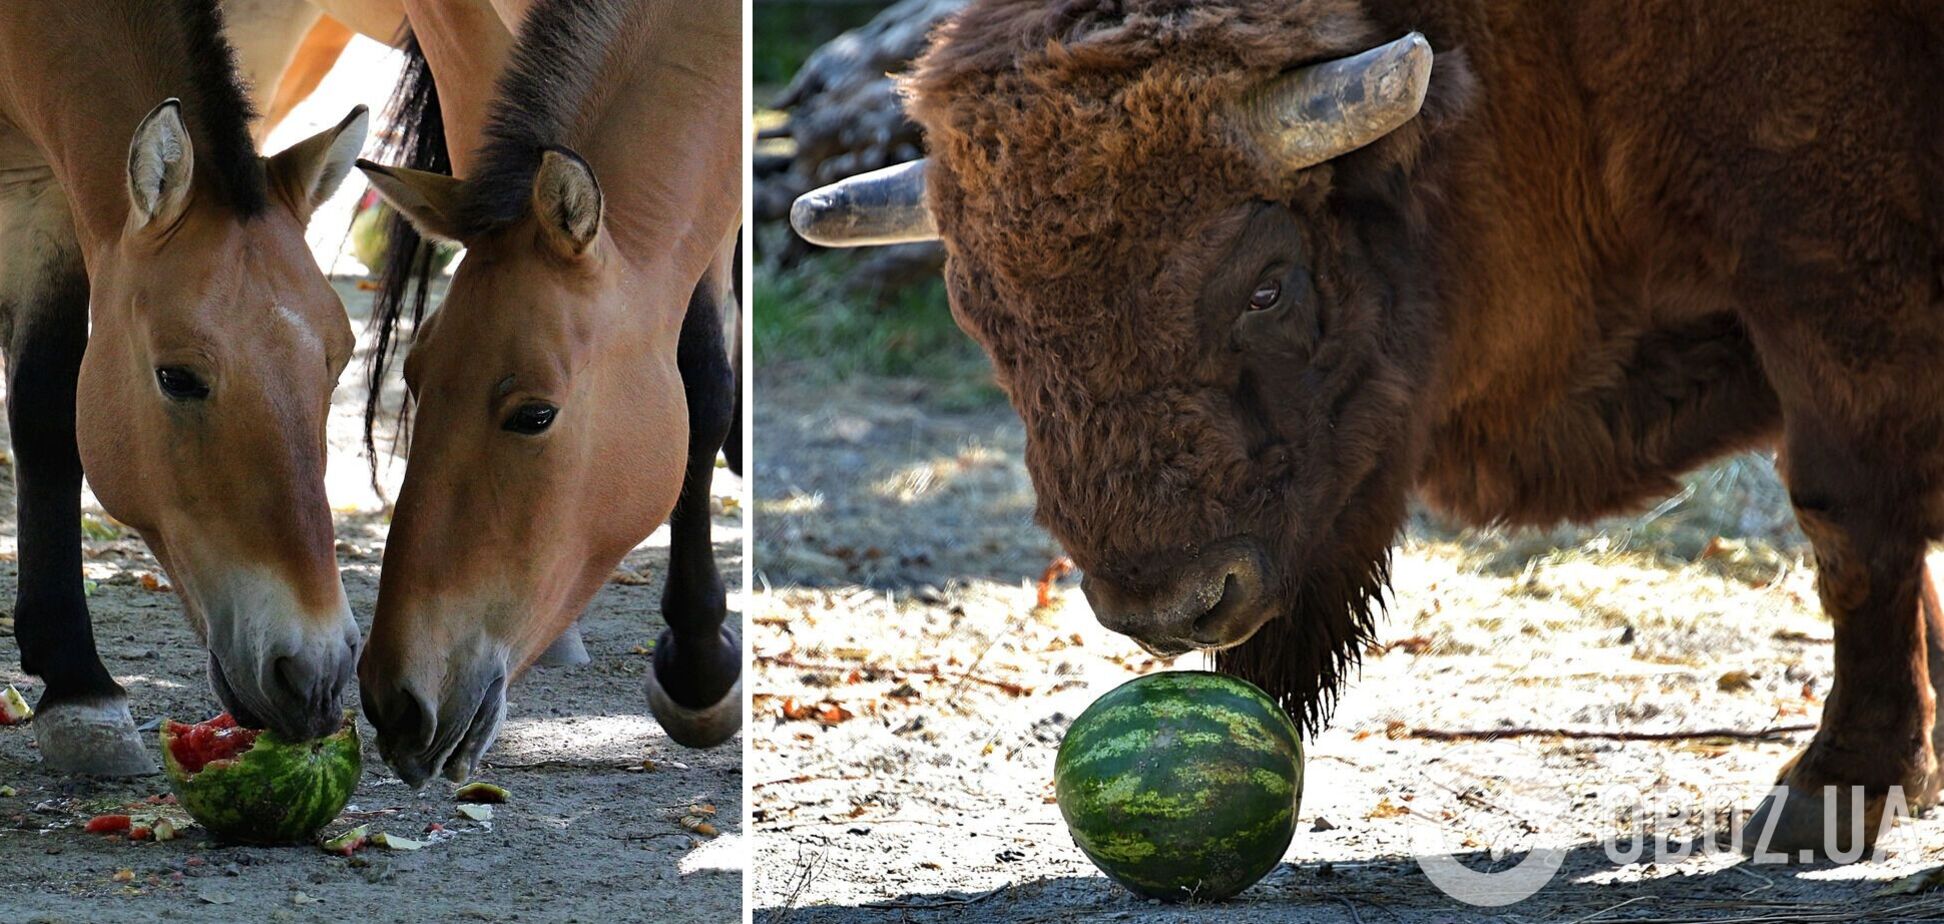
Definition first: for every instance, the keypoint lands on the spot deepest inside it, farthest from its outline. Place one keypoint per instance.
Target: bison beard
(1302, 658)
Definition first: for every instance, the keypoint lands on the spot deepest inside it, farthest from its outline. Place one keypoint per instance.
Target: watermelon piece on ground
(253, 787)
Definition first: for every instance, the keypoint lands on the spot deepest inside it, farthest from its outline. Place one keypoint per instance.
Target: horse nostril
(404, 716)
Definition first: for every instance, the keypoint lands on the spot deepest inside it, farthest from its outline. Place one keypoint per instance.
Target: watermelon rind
(277, 792)
(1182, 785)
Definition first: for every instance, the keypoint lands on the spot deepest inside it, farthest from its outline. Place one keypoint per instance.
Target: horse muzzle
(421, 737)
(288, 676)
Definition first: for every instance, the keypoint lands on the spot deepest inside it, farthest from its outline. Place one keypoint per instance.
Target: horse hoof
(91, 739)
(566, 651)
(699, 728)
(1803, 826)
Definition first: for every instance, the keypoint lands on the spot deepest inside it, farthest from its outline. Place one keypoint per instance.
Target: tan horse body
(166, 327)
(604, 302)
(572, 308)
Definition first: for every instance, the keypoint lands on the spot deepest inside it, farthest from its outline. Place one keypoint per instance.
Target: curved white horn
(1307, 116)
(880, 207)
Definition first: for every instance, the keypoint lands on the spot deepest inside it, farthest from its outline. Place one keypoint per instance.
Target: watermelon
(1181, 785)
(252, 786)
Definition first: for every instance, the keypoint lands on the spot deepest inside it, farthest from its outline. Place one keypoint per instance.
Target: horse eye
(1265, 296)
(181, 384)
(531, 418)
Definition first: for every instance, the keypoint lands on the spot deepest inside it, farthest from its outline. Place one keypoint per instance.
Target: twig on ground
(944, 902)
(1603, 911)
(1350, 906)
(1489, 734)
(788, 660)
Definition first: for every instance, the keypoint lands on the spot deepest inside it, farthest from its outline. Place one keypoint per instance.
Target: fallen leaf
(212, 897)
(1057, 569)
(476, 812)
(1735, 682)
(1388, 809)
(151, 582)
(699, 825)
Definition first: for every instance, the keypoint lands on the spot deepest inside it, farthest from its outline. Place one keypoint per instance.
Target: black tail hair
(417, 140)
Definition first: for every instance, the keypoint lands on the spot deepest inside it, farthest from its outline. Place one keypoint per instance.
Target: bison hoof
(91, 738)
(703, 727)
(1812, 825)
(566, 651)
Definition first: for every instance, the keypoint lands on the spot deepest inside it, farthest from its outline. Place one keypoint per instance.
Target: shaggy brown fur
(1624, 237)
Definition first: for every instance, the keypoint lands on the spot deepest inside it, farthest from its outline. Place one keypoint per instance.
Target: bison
(1253, 272)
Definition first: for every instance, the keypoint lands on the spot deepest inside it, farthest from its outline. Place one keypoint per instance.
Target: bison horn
(1307, 116)
(880, 207)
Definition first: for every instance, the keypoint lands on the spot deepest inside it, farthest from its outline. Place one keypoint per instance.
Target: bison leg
(1874, 747)
(695, 688)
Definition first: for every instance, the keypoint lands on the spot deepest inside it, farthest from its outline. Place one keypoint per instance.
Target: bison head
(1212, 321)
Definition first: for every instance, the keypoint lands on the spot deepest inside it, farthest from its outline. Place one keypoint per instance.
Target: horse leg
(83, 725)
(695, 689)
(1873, 749)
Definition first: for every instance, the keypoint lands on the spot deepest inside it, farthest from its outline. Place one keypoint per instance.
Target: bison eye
(1265, 296)
(531, 418)
(180, 384)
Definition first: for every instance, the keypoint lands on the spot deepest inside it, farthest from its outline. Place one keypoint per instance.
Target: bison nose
(1215, 600)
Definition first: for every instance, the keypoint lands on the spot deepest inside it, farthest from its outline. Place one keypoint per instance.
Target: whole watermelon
(1182, 785)
(256, 788)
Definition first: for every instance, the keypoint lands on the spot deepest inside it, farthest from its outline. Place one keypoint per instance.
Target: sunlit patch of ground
(912, 692)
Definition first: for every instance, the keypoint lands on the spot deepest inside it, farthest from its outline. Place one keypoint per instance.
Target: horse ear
(311, 170)
(161, 166)
(567, 202)
(430, 201)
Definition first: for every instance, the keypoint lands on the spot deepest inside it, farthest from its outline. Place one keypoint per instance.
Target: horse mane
(217, 109)
(540, 102)
(417, 140)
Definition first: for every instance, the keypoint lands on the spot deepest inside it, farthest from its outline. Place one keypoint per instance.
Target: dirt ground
(592, 833)
(912, 693)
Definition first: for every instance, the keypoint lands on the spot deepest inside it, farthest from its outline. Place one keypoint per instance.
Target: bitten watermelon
(252, 786)
(1182, 785)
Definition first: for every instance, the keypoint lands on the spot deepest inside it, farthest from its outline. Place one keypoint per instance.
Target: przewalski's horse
(167, 329)
(574, 387)
(1252, 270)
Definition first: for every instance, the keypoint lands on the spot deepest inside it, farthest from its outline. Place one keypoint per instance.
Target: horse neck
(666, 141)
(76, 86)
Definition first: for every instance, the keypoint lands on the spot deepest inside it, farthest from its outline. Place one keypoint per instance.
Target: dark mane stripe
(218, 110)
(416, 139)
(554, 69)
(556, 63)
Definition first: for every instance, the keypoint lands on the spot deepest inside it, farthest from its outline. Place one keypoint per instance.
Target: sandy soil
(592, 833)
(912, 693)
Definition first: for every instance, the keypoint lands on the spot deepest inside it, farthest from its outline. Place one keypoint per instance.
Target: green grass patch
(787, 32)
(814, 325)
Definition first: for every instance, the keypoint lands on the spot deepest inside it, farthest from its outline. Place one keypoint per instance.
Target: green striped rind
(1182, 785)
(276, 792)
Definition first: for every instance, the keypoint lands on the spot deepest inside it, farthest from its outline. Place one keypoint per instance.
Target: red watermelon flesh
(219, 739)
